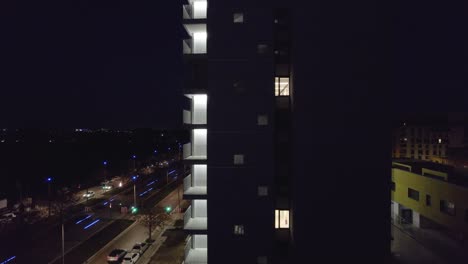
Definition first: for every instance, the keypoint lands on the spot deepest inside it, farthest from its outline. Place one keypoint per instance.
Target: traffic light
(134, 210)
(168, 209)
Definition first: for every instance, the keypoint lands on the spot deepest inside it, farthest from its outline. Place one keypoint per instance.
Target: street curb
(115, 238)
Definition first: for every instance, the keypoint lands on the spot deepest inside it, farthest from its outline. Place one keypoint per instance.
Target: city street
(137, 232)
(104, 209)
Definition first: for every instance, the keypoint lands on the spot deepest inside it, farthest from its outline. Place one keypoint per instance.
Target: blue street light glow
(93, 223)
(172, 171)
(133, 156)
(105, 163)
(168, 148)
(83, 219)
(150, 183)
(134, 177)
(49, 179)
(105, 203)
(8, 260)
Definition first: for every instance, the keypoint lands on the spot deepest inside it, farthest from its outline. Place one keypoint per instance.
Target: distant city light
(120, 184)
(49, 179)
(105, 163)
(440, 140)
(133, 156)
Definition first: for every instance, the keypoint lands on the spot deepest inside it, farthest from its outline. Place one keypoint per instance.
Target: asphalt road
(136, 232)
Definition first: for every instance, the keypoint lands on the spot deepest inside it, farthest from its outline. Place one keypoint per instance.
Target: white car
(89, 194)
(130, 258)
(140, 248)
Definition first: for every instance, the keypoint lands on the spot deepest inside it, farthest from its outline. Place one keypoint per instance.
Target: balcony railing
(187, 45)
(196, 254)
(196, 10)
(192, 222)
(191, 189)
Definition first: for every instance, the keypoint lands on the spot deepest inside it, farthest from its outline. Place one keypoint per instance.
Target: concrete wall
(199, 175)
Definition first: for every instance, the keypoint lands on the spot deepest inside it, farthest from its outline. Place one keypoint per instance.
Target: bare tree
(153, 220)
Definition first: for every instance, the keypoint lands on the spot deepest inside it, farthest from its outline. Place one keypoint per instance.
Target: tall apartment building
(264, 116)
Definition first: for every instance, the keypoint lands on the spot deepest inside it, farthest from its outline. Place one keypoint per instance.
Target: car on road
(140, 248)
(116, 256)
(130, 258)
(89, 194)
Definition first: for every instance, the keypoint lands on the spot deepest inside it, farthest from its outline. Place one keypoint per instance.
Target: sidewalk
(449, 250)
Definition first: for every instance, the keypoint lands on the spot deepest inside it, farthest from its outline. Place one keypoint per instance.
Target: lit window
(281, 86)
(239, 229)
(238, 18)
(281, 219)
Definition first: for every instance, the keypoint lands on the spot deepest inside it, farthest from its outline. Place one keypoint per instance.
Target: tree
(153, 220)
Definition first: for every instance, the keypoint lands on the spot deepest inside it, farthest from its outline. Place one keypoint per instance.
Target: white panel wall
(199, 42)
(199, 9)
(200, 241)
(199, 208)
(199, 137)
(199, 108)
(199, 175)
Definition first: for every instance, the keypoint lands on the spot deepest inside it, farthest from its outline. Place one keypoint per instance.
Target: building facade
(262, 183)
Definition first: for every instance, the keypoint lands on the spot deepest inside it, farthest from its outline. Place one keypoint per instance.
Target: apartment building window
(413, 194)
(428, 200)
(262, 48)
(238, 229)
(447, 207)
(238, 159)
(262, 120)
(262, 260)
(262, 190)
(281, 86)
(281, 219)
(238, 17)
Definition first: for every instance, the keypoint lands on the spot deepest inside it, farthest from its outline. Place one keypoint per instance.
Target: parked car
(130, 258)
(89, 194)
(116, 256)
(140, 248)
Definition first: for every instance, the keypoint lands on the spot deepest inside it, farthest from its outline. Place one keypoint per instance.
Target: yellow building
(423, 194)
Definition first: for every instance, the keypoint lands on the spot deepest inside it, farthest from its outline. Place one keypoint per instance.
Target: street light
(49, 180)
(134, 190)
(134, 162)
(105, 169)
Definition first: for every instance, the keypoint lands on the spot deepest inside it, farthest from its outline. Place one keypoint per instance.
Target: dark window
(393, 186)
(413, 194)
(447, 207)
(428, 200)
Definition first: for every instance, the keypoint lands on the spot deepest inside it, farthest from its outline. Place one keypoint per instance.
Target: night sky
(111, 63)
(90, 64)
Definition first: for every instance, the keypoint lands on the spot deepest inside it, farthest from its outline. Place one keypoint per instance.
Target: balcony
(198, 108)
(196, 9)
(196, 150)
(195, 218)
(196, 44)
(196, 251)
(195, 183)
